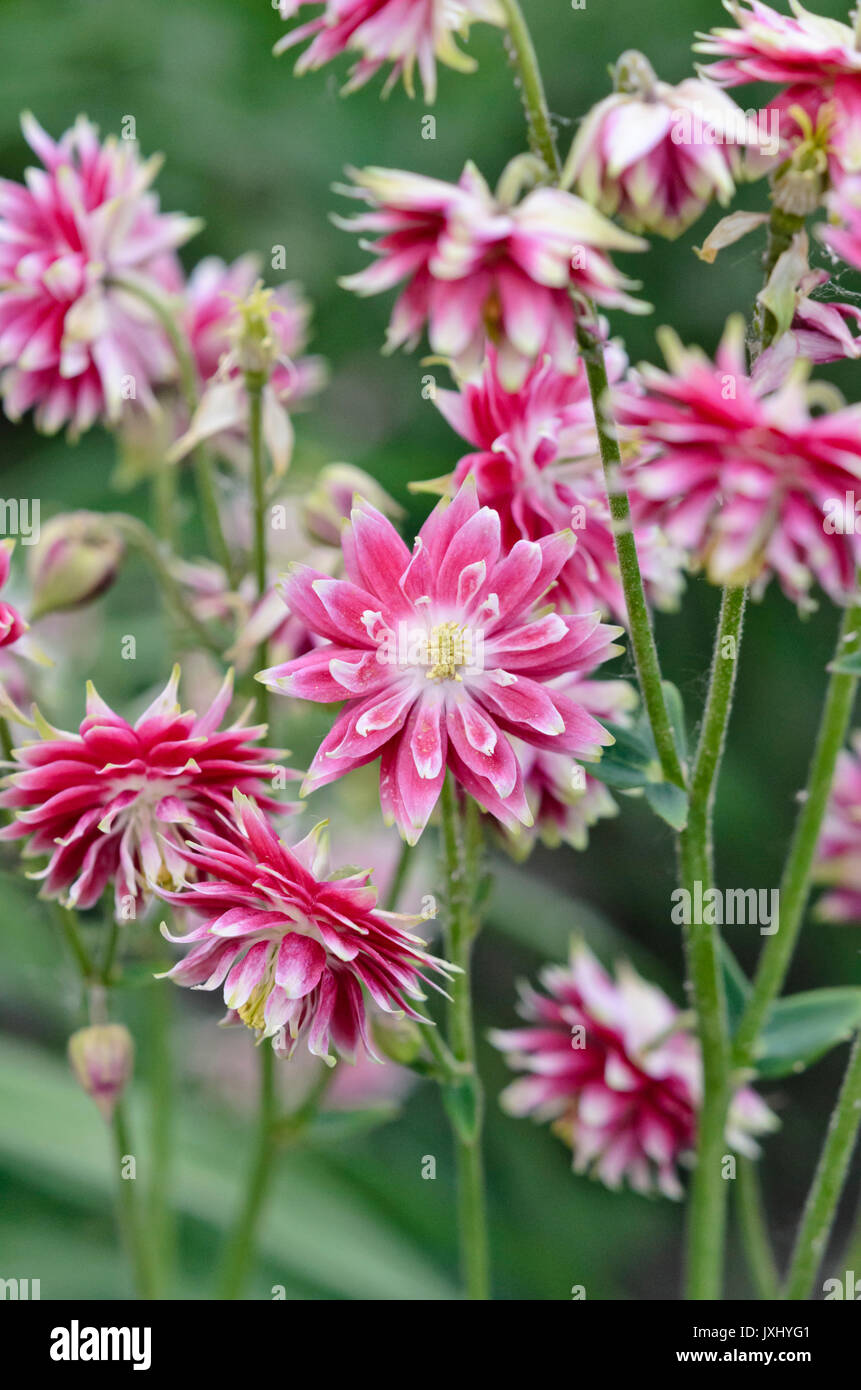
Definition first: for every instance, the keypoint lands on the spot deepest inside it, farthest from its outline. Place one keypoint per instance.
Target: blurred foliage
(255, 152)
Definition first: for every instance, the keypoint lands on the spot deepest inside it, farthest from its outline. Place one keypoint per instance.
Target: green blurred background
(255, 152)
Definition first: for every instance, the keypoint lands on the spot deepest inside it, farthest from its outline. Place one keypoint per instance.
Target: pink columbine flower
(487, 267)
(537, 464)
(614, 1067)
(115, 802)
(656, 155)
(72, 345)
(564, 799)
(737, 470)
(12, 625)
(442, 659)
(294, 948)
(767, 46)
(839, 852)
(405, 33)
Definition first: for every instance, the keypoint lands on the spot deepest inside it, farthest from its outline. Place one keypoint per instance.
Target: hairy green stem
(754, 1231)
(795, 882)
(460, 931)
(128, 1215)
(240, 1249)
(162, 1225)
(254, 383)
(821, 1205)
(708, 1201)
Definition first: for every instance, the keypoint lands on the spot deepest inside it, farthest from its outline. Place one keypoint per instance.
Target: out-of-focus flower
(767, 46)
(565, 801)
(537, 464)
(737, 470)
(819, 138)
(12, 625)
(405, 33)
(613, 1065)
(838, 857)
(441, 658)
(843, 235)
(818, 330)
(74, 345)
(655, 154)
(292, 946)
(102, 1058)
(235, 326)
(327, 507)
(76, 559)
(487, 267)
(115, 802)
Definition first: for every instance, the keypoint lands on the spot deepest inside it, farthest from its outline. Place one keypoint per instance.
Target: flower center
(448, 648)
(251, 1012)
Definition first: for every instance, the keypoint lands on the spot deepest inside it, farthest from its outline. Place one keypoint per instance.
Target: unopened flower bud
(328, 505)
(76, 559)
(102, 1060)
(398, 1039)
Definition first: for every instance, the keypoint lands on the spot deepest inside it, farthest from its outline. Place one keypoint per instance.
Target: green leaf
(736, 987)
(669, 802)
(462, 1101)
(848, 665)
(803, 1027)
(676, 711)
(630, 762)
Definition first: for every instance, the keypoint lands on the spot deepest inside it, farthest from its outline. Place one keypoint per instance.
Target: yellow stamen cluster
(251, 1011)
(448, 648)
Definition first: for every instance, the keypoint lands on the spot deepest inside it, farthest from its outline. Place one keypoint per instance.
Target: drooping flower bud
(398, 1039)
(102, 1059)
(328, 505)
(76, 559)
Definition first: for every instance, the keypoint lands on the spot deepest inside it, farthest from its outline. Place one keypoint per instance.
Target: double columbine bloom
(737, 470)
(293, 948)
(73, 346)
(536, 462)
(611, 1063)
(657, 155)
(839, 852)
(12, 625)
(485, 267)
(115, 802)
(442, 659)
(409, 34)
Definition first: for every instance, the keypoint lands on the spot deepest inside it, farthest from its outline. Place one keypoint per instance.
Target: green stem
(821, 1206)
(795, 883)
(645, 653)
(241, 1245)
(708, 1202)
(402, 869)
(254, 383)
(782, 227)
(461, 928)
(68, 923)
(754, 1231)
(127, 1210)
(142, 539)
(161, 1080)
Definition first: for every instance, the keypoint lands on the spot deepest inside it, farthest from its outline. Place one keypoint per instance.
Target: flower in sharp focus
(409, 34)
(73, 345)
(656, 155)
(294, 948)
(564, 799)
(613, 1065)
(12, 625)
(538, 465)
(487, 267)
(736, 469)
(767, 46)
(442, 658)
(838, 859)
(115, 802)
(234, 325)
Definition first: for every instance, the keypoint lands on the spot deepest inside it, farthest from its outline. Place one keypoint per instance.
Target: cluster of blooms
(84, 252)
(486, 267)
(537, 464)
(611, 1064)
(739, 472)
(409, 34)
